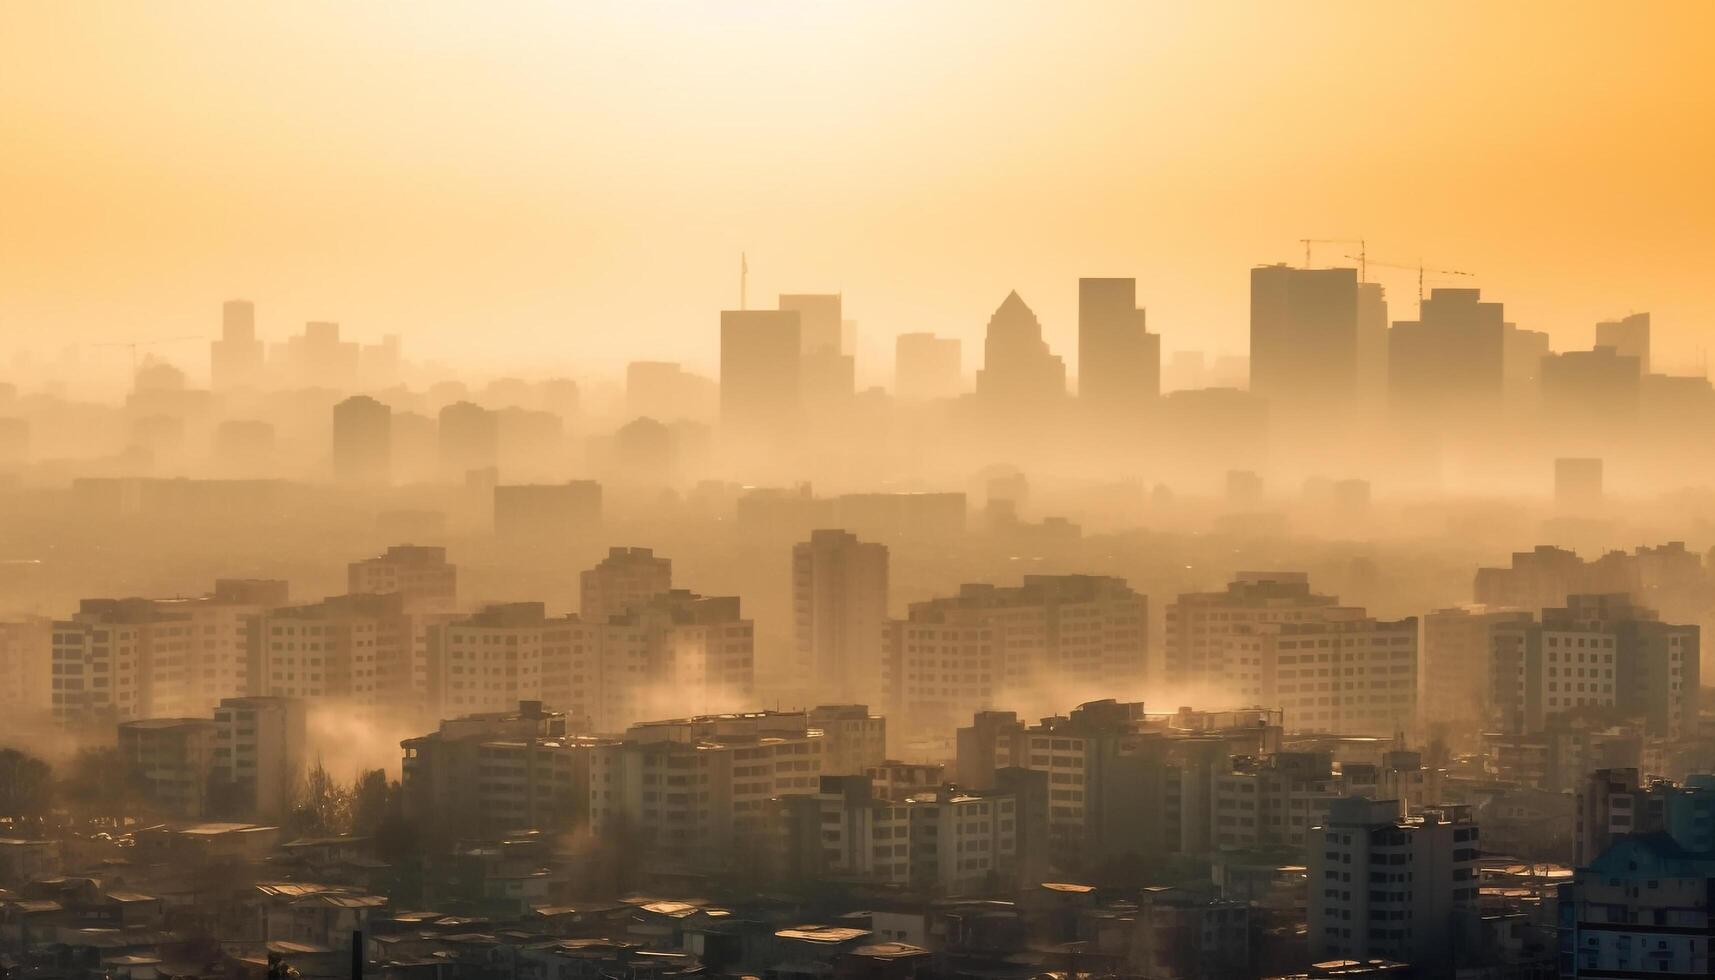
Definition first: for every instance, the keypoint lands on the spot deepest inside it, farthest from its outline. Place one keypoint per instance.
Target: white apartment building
(356, 649)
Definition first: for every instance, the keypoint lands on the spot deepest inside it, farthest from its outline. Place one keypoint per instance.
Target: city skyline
(193, 159)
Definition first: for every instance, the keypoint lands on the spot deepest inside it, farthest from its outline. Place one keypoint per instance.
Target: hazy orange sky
(572, 183)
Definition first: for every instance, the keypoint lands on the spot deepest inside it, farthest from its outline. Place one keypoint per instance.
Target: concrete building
(120, 660)
(1344, 673)
(356, 650)
(467, 438)
(1454, 664)
(1599, 651)
(27, 667)
(1199, 624)
(1640, 908)
(1318, 343)
(1387, 886)
(173, 757)
(501, 772)
(258, 754)
(696, 790)
(419, 574)
(839, 617)
(620, 583)
(509, 653)
(1615, 802)
(677, 649)
(856, 741)
(1079, 634)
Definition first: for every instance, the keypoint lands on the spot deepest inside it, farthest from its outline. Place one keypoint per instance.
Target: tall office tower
(1447, 368)
(624, 580)
(363, 441)
(1199, 622)
(1019, 376)
(1522, 354)
(235, 360)
(1455, 663)
(1074, 635)
(1119, 360)
(1309, 338)
(1629, 337)
(1592, 395)
(839, 610)
(926, 367)
(469, 438)
(357, 651)
(1385, 886)
(829, 371)
(420, 574)
(1599, 651)
(1577, 483)
(259, 753)
(762, 387)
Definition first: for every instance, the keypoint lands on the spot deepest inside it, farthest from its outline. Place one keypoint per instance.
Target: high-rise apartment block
(839, 617)
(1383, 886)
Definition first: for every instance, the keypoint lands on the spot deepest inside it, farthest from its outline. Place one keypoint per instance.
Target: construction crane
(1307, 242)
(134, 344)
(1420, 270)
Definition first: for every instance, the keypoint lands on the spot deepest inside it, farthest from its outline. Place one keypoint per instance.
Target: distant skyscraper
(1119, 360)
(469, 438)
(362, 441)
(1448, 367)
(235, 360)
(926, 367)
(1316, 335)
(829, 373)
(1019, 374)
(839, 605)
(761, 372)
(1629, 337)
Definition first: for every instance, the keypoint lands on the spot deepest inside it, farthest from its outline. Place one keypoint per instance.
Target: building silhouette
(362, 441)
(761, 393)
(468, 438)
(1020, 375)
(1629, 337)
(1119, 360)
(926, 367)
(1318, 339)
(235, 360)
(1447, 368)
(839, 616)
(828, 371)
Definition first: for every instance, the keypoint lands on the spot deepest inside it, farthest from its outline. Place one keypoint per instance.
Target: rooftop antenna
(743, 274)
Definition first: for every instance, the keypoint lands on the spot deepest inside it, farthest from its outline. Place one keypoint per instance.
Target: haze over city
(837, 491)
